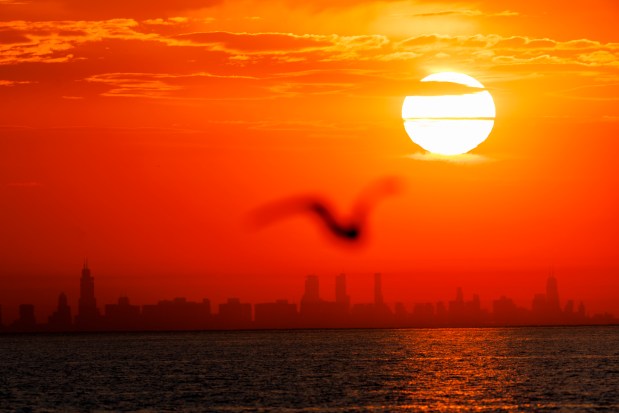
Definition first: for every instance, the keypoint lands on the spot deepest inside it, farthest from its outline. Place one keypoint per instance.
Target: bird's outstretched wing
(350, 230)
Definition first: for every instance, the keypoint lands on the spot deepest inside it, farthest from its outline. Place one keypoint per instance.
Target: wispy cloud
(13, 82)
(267, 65)
(56, 42)
(171, 21)
(149, 85)
(284, 47)
(66, 41)
(208, 86)
(490, 50)
(468, 13)
(136, 8)
(464, 159)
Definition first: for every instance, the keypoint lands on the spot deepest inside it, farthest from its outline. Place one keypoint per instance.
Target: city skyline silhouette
(312, 312)
(318, 205)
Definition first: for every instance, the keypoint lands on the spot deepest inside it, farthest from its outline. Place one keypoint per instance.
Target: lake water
(515, 369)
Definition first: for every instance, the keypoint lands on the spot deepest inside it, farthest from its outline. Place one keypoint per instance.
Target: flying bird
(351, 229)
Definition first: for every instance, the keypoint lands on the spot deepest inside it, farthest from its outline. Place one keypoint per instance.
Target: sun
(448, 123)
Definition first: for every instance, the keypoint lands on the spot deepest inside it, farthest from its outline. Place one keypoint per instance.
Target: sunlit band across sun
(449, 124)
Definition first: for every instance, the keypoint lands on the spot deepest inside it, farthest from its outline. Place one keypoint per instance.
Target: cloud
(136, 5)
(172, 21)
(13, 82)
(208, 86)
(191, 86)
(56, 42)
(256, 42)
(600, 57)
(10, 36)
(100, 10)
(284, 47)
(464, 159)
(468, 13)
(148, 85)
(441, 88)
(66, 41)
(314, 126)
(492, 49)
(516, 42)
(166, 59)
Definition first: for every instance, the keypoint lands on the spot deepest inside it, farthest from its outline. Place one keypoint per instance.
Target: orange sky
(141, 133)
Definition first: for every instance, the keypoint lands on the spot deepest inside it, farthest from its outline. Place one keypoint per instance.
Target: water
(530, 369)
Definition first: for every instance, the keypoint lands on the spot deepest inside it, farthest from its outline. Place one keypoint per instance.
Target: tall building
(459, 295)
(312, 293)
(280, 314)
(313, 311)
(60, 320)
(457, 309)
(378, 289)
(552, 294)
(340, 291)
(235, 314)
(26, 320)
(177, 314)
(122, 316)
(88, 314)
(546, 308)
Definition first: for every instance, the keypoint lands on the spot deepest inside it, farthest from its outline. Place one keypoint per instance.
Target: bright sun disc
(449, 124)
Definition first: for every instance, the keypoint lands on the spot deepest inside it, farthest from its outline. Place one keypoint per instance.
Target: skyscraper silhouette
(280, 314)
(88, 317)
(235, 314)
(313, 310)
(122, 316)
(552, 294)
(177, 314)
(312, 293)
(26, 320)
(340, 291)
(60, 320)
(456, 309)
(378, 289)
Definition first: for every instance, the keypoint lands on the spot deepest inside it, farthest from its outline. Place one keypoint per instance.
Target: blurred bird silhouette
(350, 230)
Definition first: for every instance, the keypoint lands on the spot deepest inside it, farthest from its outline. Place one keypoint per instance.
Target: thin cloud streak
(464, 159)
(468, 13)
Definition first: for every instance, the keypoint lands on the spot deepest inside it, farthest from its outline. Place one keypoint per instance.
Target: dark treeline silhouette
(313, 312)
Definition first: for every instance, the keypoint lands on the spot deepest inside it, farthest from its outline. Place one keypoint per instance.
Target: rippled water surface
(520, 369)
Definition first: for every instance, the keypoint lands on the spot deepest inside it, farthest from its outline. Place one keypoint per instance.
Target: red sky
(141, 134)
